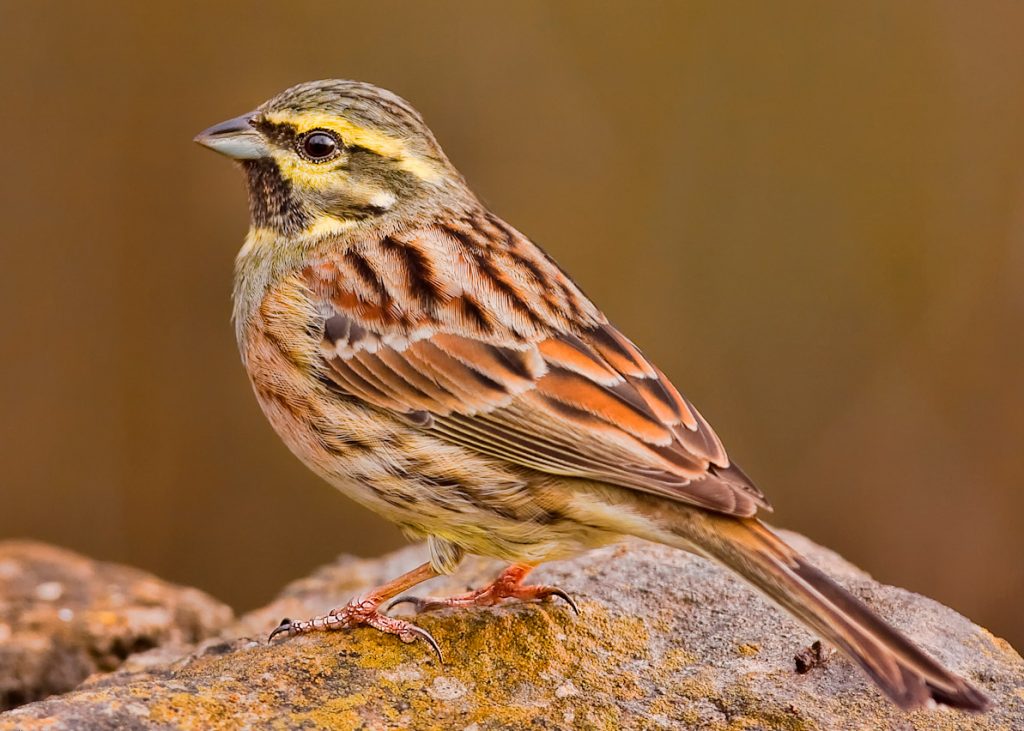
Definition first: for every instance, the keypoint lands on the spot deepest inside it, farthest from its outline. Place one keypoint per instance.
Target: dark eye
(318, 145)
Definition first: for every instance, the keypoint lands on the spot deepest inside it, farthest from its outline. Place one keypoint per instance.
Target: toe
(405, 631)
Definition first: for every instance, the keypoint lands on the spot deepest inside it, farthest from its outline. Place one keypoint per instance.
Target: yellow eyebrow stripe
(370, 139)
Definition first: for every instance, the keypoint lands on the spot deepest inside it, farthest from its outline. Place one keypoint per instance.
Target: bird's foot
(365, 611)
(358, 612)
(508, 585)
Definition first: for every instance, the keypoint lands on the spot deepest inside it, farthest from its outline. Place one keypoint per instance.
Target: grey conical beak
(236, 138)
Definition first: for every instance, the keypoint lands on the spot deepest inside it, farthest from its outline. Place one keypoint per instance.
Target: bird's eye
(318, 145)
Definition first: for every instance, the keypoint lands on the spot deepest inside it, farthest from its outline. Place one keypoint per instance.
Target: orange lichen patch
(335, 713)
(677, 659)
(700, 684)
(193, 712)
(668, 708)
(748, 649)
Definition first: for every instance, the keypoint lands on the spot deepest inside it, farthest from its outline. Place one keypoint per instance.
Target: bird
(436, 366)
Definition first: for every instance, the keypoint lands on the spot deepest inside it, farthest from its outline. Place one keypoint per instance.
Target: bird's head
(324, 156)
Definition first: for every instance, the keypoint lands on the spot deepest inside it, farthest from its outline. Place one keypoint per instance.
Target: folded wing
(563, 395)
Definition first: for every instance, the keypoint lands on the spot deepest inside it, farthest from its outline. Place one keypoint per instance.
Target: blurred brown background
(810, 215)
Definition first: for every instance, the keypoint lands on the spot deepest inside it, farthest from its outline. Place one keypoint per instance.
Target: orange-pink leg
(364, 610)
(508, 585)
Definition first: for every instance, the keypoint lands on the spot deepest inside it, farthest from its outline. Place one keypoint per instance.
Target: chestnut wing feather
(578, 401)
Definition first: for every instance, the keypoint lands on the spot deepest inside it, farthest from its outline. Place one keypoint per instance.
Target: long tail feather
(904, 673)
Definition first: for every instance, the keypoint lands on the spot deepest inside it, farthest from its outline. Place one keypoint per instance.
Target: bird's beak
(236, 138)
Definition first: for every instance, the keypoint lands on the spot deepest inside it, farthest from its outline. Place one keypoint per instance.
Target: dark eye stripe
(287, 136)
(282, 135)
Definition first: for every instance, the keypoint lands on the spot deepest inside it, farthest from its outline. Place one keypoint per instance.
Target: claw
(555, 591)
(285, 626)
(414, 600)
(429, 639)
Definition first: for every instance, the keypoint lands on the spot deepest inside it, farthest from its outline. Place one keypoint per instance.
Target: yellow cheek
(311, 176)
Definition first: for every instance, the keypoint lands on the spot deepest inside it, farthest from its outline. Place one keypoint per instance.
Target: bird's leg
(508, 585)
(364, 610)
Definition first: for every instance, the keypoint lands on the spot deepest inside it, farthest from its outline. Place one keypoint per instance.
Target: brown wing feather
(492, 361)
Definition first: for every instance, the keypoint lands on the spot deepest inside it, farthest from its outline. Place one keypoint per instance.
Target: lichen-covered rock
(64, 617)
(665, 641)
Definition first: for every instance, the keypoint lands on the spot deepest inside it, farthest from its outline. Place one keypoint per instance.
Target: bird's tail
(907, 675)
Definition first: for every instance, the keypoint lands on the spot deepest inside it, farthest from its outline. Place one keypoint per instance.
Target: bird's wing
(472, 332)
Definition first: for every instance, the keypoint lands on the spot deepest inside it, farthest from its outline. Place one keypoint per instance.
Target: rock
(64, 617)
(666, 640)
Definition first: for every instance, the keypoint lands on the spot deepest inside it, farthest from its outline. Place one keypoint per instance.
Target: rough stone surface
(64, 617)
(665, 641)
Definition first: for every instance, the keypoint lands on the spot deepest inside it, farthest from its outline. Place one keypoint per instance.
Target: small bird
(435, 365)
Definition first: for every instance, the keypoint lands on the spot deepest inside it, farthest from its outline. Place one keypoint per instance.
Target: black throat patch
(272, 203)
